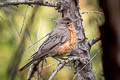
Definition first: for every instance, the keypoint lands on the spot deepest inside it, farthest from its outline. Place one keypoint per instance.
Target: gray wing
(57, 37)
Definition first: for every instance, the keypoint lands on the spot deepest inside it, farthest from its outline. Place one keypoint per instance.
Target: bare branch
(62, 63)
(30, 2)
(24, 19)
(93, 41)
(74, 77)
(30, 72)
(38, 34)
(56, 70)
(86, 12)
(50, 65)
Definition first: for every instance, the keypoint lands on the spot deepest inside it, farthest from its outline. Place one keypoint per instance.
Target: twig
(24, 19)
(27, 29)
(50, 65)
(38, 34)
(93, 41)
(30, 72)
(28, 33)
(74, 77)
(30, 2)
(62, 63)
(56, 70)
(86, 12)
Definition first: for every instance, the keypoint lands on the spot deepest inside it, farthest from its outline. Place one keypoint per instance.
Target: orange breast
(68, 46)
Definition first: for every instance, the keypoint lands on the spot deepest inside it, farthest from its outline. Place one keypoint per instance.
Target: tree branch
(86, 12)
(33, 2)
(56, 70)
(62, 63)
(50, 65)
(93, 41)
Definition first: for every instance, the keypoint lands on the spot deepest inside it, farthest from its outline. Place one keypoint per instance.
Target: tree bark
(71, 8)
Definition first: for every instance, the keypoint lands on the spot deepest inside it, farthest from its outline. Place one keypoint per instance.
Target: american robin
(60, 41)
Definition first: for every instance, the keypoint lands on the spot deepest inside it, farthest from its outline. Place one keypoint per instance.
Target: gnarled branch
(29, 2)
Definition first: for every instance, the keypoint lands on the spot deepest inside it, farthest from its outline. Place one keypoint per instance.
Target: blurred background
(40, 21)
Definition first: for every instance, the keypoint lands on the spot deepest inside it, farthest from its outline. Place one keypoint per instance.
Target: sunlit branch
(24, 19)
(61, 65)
(86, 12)
(56, 70)
(93, 41)
(50, 65)
(30, 2)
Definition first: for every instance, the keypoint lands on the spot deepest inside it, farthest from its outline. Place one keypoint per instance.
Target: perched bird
(60, 41)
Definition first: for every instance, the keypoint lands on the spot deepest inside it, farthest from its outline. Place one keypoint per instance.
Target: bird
(61, 41)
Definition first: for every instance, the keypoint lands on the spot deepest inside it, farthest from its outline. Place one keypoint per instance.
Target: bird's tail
(33, 61)
(25, 66)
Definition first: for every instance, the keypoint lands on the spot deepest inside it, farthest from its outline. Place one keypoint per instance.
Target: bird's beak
(74, 20)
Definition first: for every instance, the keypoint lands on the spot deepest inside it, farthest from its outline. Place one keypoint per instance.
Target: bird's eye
(67, 22)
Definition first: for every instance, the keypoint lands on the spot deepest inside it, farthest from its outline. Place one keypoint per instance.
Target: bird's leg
(60, 59)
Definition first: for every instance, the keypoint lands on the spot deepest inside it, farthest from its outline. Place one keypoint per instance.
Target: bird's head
(66, 21)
